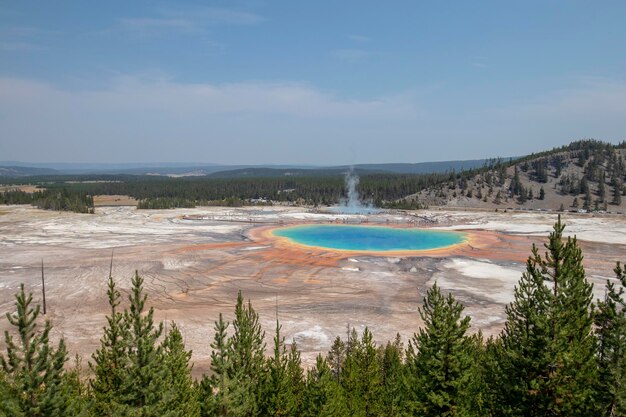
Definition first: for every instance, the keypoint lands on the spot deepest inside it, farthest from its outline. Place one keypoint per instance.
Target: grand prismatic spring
(369, 238)
(196, 260)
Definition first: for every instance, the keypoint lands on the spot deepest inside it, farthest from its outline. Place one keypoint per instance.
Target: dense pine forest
(164, 192)
(59, 199)
(559, 354)
(384, 190)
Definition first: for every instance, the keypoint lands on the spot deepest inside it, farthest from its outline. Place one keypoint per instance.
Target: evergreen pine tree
(180, 400)
(317, 381)
(584, 185)
(143, 385)
(336, 358)
(110, 360)
(617, 194)
(77, 391)
(587, 200)
(602, 186)
(9, 405)
(524, 363)
(130, 375)
(324, 396)
(32, 368)
(351, 378)
(482, 397)
(212, 390)
(336, 404)
(360, 377)
(295, 376)
(523, 195)
(516, 184)
(219, 394)
(610, 321)
(549, 364)
(247, 357)
(391, 359)
(438, 357)
(279, 397)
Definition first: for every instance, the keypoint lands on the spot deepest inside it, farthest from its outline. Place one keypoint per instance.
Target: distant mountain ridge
(18, 169)
(22, 171)
(425, 167)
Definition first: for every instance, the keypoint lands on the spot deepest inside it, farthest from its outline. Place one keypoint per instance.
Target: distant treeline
(59, 199)
(382, 190)
(559, 354)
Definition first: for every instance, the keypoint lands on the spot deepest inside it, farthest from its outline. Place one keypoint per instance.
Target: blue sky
(322, 82)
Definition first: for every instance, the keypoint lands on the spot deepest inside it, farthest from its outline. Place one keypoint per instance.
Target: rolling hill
(586, 175)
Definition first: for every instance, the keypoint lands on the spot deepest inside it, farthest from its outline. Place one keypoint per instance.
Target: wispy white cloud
(351, 54)
(216, 16)
(159, 93)
(147, 117)
(181, 21)
(146, 26)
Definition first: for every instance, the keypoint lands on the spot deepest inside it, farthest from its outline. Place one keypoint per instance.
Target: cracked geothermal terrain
(195, 260)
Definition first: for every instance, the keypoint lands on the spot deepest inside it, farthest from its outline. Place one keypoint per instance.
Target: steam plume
(353, 204)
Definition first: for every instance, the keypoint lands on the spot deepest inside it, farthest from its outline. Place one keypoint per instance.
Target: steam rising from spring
(353, 204)
(352, 180)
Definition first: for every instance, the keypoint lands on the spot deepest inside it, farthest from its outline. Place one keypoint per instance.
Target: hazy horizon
(173, 164)
(325, 83)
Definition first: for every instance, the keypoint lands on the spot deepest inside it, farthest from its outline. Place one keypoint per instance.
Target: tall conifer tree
(278, 393)
(392, 371)
(225, 392)
(110, 360)
(33, 369)
(317, 381)
(549, 364)
(324, 396)
(143, 384)
(129, 366)
(295, 376)
(438, 357)
(610, 321)
(246, 358)
(181, 399)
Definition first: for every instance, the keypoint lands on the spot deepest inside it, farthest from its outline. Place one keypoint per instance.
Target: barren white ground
(315, 301)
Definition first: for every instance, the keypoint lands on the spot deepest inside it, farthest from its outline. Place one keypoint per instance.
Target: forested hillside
(586, 175)
(559, 354)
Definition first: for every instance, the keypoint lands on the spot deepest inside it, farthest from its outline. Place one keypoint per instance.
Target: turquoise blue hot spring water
(369, 238)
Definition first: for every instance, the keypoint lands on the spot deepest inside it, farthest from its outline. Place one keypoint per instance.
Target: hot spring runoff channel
(369, 238)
